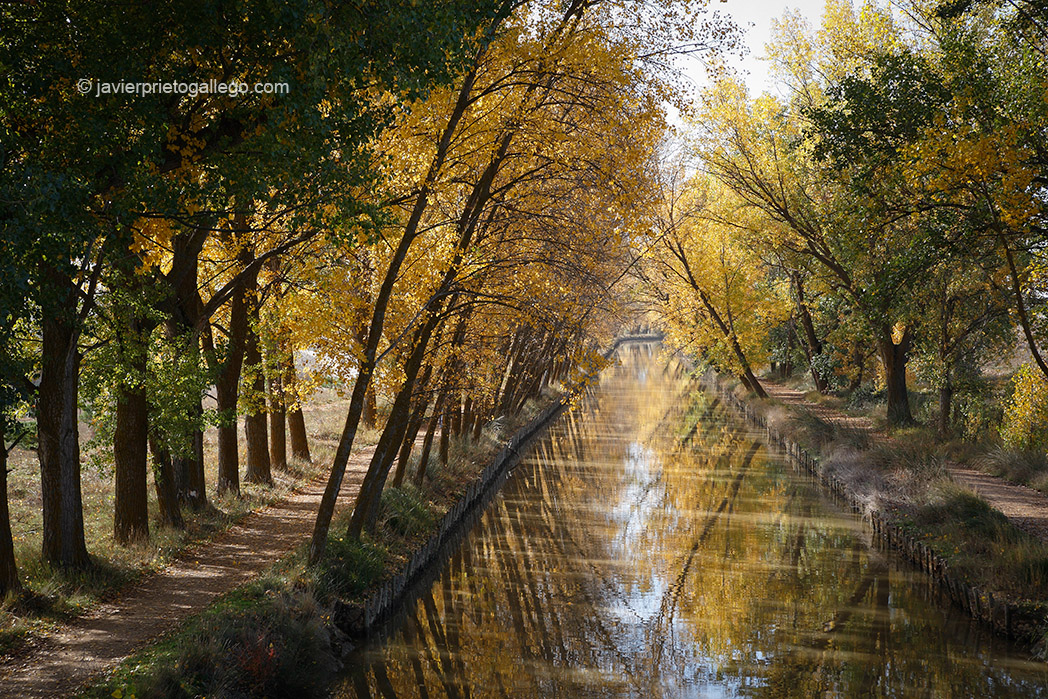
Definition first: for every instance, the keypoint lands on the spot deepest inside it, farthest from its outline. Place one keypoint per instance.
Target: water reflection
(651, 546)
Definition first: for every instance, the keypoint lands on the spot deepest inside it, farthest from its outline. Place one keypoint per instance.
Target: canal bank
(649, 544)
(1022, 620)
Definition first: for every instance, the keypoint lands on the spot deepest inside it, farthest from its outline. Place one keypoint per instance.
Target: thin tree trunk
(408, 443)
(277, 425)
(427, 442)
(945, 406)
(9, 581)
(812, 346)
(1020, 307)
(418, 416)
(227, 387)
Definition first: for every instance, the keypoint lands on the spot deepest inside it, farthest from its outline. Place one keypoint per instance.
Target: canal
(650, 545)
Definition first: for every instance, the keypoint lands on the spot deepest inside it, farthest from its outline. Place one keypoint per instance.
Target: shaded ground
(65, 659)
(1026, 507)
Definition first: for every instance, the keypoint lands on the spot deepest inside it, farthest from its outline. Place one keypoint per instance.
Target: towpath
(62, 661)
(1026, 507)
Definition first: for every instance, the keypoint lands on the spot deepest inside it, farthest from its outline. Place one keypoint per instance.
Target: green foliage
(349, 567)
(1025, 423)
(978, 409)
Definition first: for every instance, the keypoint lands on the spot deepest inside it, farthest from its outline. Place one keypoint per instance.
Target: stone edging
(1017, 621)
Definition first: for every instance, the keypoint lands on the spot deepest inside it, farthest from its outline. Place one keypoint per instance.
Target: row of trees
(890, 205)
(442, 222)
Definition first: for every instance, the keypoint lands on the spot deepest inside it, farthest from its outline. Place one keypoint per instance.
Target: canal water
(650, 545)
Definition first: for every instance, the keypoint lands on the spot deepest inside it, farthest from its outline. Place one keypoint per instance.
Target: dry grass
(982, 544)
(55, 596)
(1028, 468)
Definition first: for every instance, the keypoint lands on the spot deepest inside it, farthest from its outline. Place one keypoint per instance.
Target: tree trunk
(378, 317)
(1020, 307)
(418, 416)
(945, 406)
(444, 452)
(258, 468)
(893, 360)
(9, 581)
(812, 346)
(277, 425)
(296, 422)
(366, 508)
(227, 386)
(130, 456)
(59, 450)
(427, 442)
(164, 484)
(188, 469)
(408, 443)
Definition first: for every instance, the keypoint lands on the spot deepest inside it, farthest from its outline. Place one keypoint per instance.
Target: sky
(759, 15)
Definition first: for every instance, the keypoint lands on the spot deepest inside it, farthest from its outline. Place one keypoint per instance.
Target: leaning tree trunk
(258, 469)
(9, 581)
(427, 441)
(367, 504)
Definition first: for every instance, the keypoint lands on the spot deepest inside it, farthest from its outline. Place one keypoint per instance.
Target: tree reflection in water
(651, 546)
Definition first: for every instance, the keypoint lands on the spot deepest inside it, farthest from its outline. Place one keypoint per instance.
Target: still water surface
(651, 546)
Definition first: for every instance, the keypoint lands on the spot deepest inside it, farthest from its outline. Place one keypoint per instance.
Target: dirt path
(1026, 507)
(65, 659)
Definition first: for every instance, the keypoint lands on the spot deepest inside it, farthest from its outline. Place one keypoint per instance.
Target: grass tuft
(821, 433)
(1028, 467)
(987, 548)
(265, 639)
(916, 453)
(349, 567)
(406, 512)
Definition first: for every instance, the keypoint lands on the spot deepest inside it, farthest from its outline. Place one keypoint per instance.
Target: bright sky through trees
(755, 19)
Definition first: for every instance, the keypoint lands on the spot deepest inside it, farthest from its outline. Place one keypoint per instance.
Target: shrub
(1026, 414)
(258, 642)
